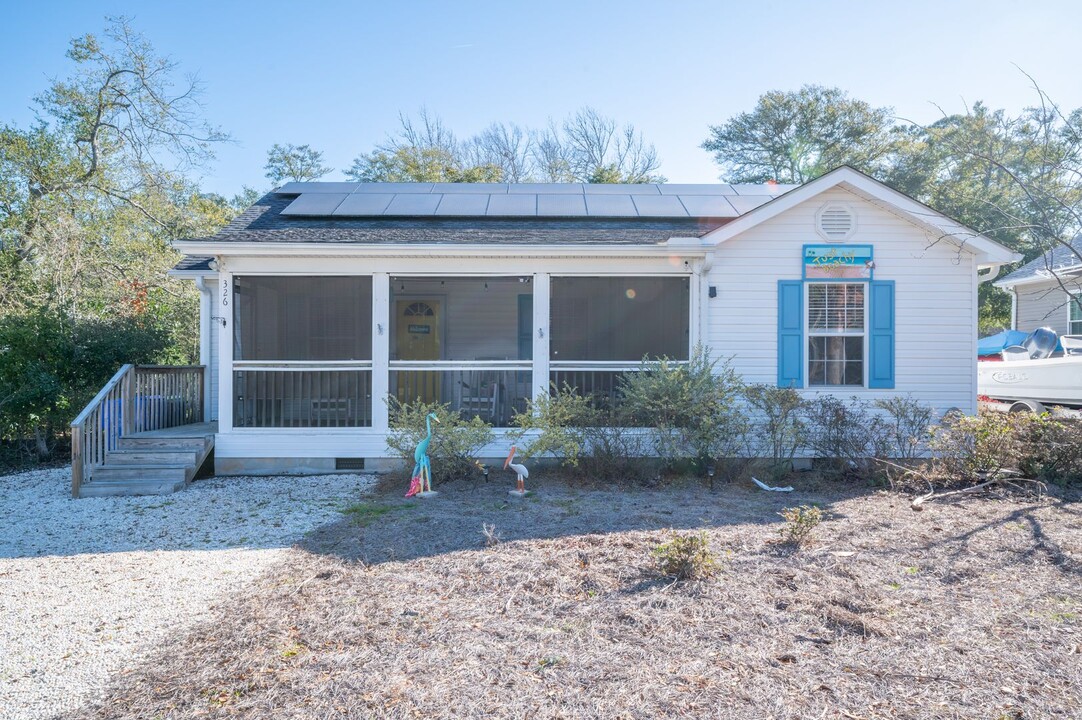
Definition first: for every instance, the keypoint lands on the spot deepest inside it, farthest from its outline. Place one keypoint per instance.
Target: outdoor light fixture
(710, 470)
(484, 471)
(713, 291)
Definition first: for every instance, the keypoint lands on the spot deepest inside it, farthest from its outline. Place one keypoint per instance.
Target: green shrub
(561, 420)
(455, 441)
(692, 409)
(778, 429)
(969, 448)
(52, 365)
(686, 557)
(1050, 449)
(590, 442)
(800, 523)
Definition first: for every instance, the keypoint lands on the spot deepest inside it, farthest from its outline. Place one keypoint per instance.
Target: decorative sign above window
(838, 262)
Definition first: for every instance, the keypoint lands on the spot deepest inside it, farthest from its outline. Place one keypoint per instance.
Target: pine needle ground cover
(972, 609)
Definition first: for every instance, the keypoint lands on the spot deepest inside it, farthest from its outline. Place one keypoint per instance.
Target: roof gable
(1062, 259)
(867, 187)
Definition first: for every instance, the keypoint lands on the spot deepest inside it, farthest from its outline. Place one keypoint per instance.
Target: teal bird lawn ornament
(422, 467)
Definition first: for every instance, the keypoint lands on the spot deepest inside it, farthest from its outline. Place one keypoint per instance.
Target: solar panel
(315, 204)
(659, 206)
(413, 205)
(491, 188)
(512, 205)
(462, 204)
(695, 189)
(610, 206)
(708, 206)
(396, 188)
(620, 189)
(764, 189)
(363, 204)
(747, 203)
(298, 188)
(546, 188)
(561, 205)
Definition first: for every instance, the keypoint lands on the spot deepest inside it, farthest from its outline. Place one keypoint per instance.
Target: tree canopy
(793, 137)
(295, 163)
(585, 147)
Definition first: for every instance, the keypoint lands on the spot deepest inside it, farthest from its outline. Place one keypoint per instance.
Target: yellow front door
(417, 337)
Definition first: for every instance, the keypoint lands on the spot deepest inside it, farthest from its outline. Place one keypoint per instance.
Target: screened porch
(318, 351)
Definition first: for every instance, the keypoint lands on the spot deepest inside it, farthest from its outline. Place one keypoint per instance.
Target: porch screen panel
(302, 318)
(620, 318)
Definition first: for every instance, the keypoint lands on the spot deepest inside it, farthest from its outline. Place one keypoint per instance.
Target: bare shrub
(686, 557)
(779, 430)
(847, 436)
(800, 523)
(490, 535)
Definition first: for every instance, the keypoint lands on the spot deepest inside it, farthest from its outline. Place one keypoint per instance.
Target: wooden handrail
(137, 398)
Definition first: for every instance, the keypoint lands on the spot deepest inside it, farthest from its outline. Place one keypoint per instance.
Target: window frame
(1074, 303)
(809, 333)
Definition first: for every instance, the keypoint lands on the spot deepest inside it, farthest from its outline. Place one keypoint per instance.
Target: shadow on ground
(387, 527)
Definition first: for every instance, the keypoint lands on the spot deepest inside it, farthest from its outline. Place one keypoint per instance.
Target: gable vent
(836, 222)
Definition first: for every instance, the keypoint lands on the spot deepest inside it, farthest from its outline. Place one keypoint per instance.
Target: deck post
(76, 459)
(127, 393)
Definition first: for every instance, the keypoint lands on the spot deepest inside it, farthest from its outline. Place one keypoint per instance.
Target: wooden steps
(152, 463)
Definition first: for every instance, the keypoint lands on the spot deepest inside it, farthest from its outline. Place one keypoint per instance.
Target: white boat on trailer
(1034, 373)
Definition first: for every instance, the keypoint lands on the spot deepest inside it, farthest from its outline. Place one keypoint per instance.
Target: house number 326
(225, 293)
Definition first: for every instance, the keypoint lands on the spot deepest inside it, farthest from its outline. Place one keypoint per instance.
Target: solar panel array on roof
(678, 200)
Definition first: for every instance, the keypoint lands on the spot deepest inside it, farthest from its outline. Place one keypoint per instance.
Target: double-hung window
(1074, 324)
(836, 333)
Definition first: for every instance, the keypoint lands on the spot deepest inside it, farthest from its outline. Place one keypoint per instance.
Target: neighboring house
(324, 298)
(1047, 291)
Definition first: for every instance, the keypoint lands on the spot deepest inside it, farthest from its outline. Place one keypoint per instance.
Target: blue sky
(336, 74)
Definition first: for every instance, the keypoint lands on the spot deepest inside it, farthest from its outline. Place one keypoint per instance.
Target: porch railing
(302, 395)
(138, 398)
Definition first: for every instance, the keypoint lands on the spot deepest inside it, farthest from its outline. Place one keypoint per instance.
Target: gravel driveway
(88, 586)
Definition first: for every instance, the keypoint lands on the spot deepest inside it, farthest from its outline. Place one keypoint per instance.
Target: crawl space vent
(349, 463)
(836, 222)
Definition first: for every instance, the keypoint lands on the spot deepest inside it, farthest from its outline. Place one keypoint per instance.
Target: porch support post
(225, 349)
(205, 329)
(541, 304)
(381, 347)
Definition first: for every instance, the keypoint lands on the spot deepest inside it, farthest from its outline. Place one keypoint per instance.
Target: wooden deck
(193, 430)
(153, 462)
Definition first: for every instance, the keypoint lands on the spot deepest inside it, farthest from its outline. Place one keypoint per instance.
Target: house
(324, 298)
(1047, 291)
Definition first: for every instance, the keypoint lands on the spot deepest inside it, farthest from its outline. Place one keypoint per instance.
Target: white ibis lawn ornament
(520, 470)
(421, 482)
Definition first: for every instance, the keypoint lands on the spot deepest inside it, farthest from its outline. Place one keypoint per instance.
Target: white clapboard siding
(1044, 305)
(934, 300)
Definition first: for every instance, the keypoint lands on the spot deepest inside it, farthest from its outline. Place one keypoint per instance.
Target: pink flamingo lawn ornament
(520, 470)
(421, 482)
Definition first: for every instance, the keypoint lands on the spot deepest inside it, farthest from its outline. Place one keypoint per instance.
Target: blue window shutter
(790, 333)
(881, 335)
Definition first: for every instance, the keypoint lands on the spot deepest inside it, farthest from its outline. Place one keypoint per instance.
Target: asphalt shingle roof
(265, 223)
(1057, 259)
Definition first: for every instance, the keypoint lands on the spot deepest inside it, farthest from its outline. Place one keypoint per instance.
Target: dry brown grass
(964, 610)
